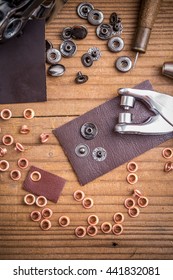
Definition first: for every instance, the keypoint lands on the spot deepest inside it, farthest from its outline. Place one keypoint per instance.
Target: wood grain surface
(150, 235)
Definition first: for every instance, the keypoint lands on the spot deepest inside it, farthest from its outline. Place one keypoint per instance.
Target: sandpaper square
(49, 185)
(120, 147)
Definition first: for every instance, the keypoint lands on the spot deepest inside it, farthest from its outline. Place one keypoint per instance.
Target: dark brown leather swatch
(120, 148)
(22, 66)
(50, 185)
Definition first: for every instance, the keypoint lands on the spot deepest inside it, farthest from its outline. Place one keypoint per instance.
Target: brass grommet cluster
(87, 202)
(132, 178)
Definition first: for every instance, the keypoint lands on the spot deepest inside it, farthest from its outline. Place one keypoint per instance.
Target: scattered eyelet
(4, 165)
(3, 151)
(99, 154)
(7, 140)
(45, 224)
(132, 166)
(137, 193)
(104, 31)
(28, 114)
(123, 64)
(92, 230)
(129, 203)
(89, 131)
(15, 175)
(118, 218)
(82, 150)
(66, 33)
(132, 178)
(95, 53)
(78, 195)
(80, 231)
(19, 147)
(117, 229)
(167, 153)
(41, 201)
(35, 176)
(29, 199)
(64, 221)
(87, 60)
(142, 201)
(83, 10)
(44, 137)
(22, 163)
(68, 48)
(53, 56)
(87, 202)
(6, 114)
(133, 212)
(115, 44)
(106, 227)
(168, 166)
(46, 213)
(24, 129)
(35, 216)
(93, 220)
(80, 78)
(95, 17)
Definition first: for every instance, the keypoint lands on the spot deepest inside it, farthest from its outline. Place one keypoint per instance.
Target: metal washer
(53, 56)
(83, 9)
(99, 154)
(89, 131)
(95, 17)
(68, 48)
(82, 150)
(115, 44)
(104, 31)
(123, 64)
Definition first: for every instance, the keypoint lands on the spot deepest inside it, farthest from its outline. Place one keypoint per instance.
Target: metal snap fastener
(95, 53)
(68, 48)
(115, 44)
(95, 17)
(83, 9)
(81, 79)
(87, 60)
(82, 150)
(49, 45)
(99, 154)
(53, 56)
(117, 28)
(56, 70)
(123, 64)
(113, 18)
(66, 33)
(104, 31)
(89, 131)
(79, 32)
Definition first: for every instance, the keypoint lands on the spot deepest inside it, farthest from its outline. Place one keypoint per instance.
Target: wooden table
(150, 236)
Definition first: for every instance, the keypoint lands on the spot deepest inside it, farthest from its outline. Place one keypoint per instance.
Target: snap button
(99, 154)
(89, 131)
(82, 150)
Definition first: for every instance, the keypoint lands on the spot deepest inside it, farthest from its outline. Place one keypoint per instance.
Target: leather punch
(159, 103)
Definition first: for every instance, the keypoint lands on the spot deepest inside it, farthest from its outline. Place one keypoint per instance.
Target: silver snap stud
(82, 150)
(95, 53)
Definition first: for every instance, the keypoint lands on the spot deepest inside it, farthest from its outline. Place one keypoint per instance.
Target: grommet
(133, 212)
(78, 195)
(80, 78)
(123, 64)
(95, 53)
(83, 10)
(92, 230)
(28, 114)
(22, 163)
(15, 175)
(99, 154)
(49, 45)
(19, 147)
(35, 176)
(6, 114)
(7, 140)
(117, 229)
(4, 165)
(137, 193)
(167, 153)
(104, 31)
(29, 199)
(132, 166)
(87, 60)
(56, 70)
(79, 32)
(142, 201)
(68, 48)
(127, 102)
(132, 178)
(106, 227)
(168, 166)
(125, 118)
(80, 231)
(93, 220)
(95, 17)
(66, 33)
(46, 213)
(24, 129)
(3, 151)
(113, 18)
(118, 218)
(45, 224)
(44, 137)
(53, 56)
(89, 131)
(64, 221)
(82, 150)
(41, 201)
(35, 216)
(115, 44)
(87, 202)
(129, 203)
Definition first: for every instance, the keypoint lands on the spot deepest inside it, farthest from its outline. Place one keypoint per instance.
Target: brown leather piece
(22, 66)
(120, 148)
(50, 185)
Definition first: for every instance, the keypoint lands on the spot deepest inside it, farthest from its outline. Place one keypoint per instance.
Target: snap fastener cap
(89, 131)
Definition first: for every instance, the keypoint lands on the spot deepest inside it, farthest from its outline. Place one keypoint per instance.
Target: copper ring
(24, 129)
(45, 224)
(129, 203)
(35, 216)
(132, 178)
(137, 193)
(117, 229)
(80, 231)
(87, 202)
(118, 218)
(4, 165)
(6, 114)
(143, 201)
(132, 166)
(92, 230)
(29, 199)
(41, 201)
(15, 175)
(7, 140)
(168, 166)
(35, 176)
(22, 163)
(78, 195)
(19, 147)
(106, 227)
(133, 212)
(3, 151)
(46, 213)
(28, 114)
(167, 153)
(64, 221)
(44, 137)
(93, 220)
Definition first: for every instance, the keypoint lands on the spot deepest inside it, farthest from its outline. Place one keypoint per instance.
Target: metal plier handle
(161, 104)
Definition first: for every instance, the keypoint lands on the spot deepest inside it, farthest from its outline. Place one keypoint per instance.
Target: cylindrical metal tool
(167, 69)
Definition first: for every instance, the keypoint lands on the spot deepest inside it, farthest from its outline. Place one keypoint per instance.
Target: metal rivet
(87, 60)
(53, 56)
(79, 32)
(104, 31)
(99, 154)
(81, 79)
(83, 9)
(82, 150)
(123, 64)
(56, 70)
(89, 131)
(68, 48)
(115, 44)
(95, 53)
(95, 17)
